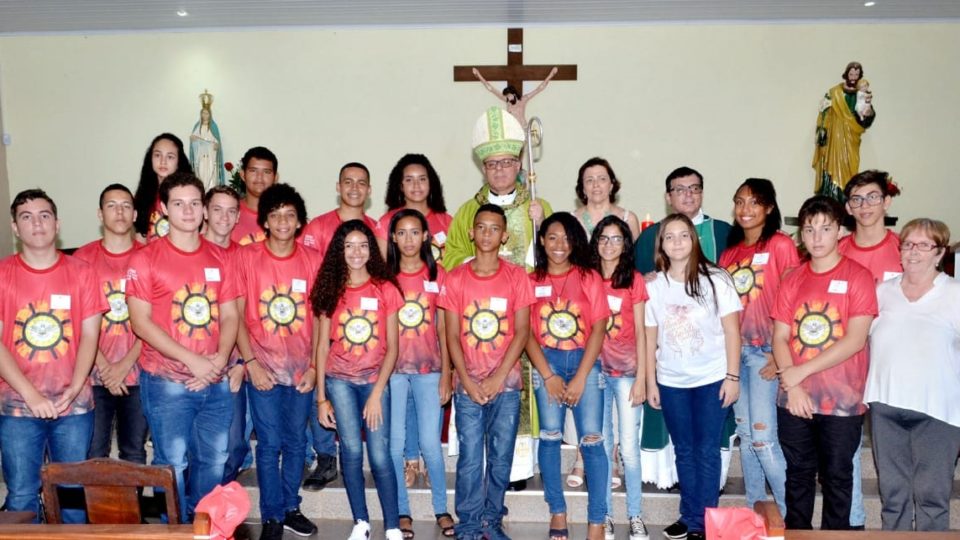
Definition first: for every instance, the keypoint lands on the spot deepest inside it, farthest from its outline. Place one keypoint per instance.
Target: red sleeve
(522, 289)
(383, 226)
(783, 307)
(599, 306)
(230, 288)
(447, 299)
(93, 301)
(785, 253)
(639, 290)
(863, 297)
(139, 277)
(392, 297)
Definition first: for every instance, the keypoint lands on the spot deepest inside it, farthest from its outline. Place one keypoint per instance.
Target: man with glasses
(685, 195)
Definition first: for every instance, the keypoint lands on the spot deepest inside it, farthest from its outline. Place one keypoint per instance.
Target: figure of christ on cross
(516, 104)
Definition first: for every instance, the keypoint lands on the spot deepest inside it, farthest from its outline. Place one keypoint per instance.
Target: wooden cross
(515, 72)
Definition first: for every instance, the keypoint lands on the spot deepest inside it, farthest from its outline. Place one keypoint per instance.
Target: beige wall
(731, 101)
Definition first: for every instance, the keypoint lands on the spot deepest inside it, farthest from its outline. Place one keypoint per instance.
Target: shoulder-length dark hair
(766, 196)
(395, 199)
(149, 186)
(698, 265)
(625, 270)
(333, 275)
(576, 237)
(614, 182)
(426, 252)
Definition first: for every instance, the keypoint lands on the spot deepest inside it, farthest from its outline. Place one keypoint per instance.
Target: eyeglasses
(612, 240)
(872, 199)
(919, 246)
(682, 190)
(495, 164)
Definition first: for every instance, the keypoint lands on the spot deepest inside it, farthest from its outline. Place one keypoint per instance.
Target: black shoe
(271, 530)
(519, 485)
(696, 536)
(677, 531)
(324, 473)
(297, 523)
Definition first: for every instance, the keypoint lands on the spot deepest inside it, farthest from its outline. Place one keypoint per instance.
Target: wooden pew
(199, 530)
(775, 527)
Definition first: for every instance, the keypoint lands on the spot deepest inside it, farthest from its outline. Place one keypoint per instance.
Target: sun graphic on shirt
(438, 251)
(42, 334)
(195, 311)
(816, 326)
(414, 316)
(281, 311)
(357, 331)
(483, 328)
(116, 321)
(614, 324)
(252, 238)
(159, 225)
(560, 326)
(746, 279)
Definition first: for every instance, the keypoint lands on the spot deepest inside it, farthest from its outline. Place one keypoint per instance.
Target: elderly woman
(914, 383)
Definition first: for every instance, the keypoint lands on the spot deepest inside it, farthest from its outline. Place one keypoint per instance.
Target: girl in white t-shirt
(693, 363)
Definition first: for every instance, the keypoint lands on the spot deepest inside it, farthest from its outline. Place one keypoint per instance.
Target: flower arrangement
(236, 182)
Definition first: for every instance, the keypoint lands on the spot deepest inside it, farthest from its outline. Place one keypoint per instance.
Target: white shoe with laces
(394, 534)
(638, 531)
(608, 533)
(361, 531)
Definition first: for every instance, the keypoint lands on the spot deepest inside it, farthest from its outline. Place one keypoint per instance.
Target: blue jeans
(858, 516)
(239, 456)
(189, 429)
(489, 429)
(630, 419)
(25, 440)
(694, 418)
(588, 417)
(279, 415)
(131, 424)
(320, 440)
(348, 400)
(756, 413)
(425, 392)
(411, 445)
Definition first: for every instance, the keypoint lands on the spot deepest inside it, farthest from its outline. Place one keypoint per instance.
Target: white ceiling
(88, 16)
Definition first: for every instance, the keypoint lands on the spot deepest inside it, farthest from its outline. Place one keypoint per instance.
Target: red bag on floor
(227, 507)
(734, 524)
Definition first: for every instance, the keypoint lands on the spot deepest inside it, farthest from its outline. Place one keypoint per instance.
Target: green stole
(708, 241)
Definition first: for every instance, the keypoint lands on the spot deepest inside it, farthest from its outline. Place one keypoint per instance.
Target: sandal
(575, 478)
(411, 468)
(445, 530)
(408, 530)
(558, 534)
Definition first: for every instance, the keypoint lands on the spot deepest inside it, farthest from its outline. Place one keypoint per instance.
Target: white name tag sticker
(298, 285)
(211, 274)
(431, 286)
(614, 302)
(760, 259)
(543, 291)
(368, 304)
(837, 286)
(123, 285)
(890, 275)
(59, 301)
(440, 238)
(498, 304)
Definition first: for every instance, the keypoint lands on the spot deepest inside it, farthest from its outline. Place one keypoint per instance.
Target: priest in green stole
(684, 195)
(841, 122)
(497, 141)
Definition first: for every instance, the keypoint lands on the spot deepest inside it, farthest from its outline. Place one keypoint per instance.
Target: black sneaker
(677, 531)
(696, 536)
(297, 523)
(324, 473)
(271, 530)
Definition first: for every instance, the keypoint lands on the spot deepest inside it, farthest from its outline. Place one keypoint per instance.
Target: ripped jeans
(588, 417)
(756, 412)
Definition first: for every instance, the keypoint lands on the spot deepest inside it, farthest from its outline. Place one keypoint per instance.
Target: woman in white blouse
(913, 386)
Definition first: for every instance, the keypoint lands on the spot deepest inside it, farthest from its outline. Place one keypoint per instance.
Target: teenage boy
(878, 250)
(276, 343)
(182, 300)
(487, 303)
(50, 312)
(821, 319)
(353, 188)
(258, 170)
(221, 211)
(115, 376)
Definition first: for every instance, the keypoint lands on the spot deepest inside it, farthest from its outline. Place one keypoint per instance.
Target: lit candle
(646, 222)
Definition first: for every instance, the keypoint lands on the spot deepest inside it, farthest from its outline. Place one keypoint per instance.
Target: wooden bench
(199, 530)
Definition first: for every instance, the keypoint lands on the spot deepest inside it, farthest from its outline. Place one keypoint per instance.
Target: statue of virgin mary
(206, 151)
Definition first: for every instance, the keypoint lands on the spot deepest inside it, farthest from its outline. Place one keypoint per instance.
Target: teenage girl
(163, 157)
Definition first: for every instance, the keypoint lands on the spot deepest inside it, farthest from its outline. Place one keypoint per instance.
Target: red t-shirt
(619, 352)
(358, 331)
(158, 226)
(817, 308)
(277, 311)
(487, 307)
(756, 272)
(42, 312)
(319, 232)
(419, 344)
(185, 291)
(438, 223)
(565, 308)
(247, 230)
(116, 336)
(882, 260)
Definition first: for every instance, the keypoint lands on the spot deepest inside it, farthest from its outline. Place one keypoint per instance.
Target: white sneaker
(361, 531)
(638, 531)
(608, 528)
(394, 534)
